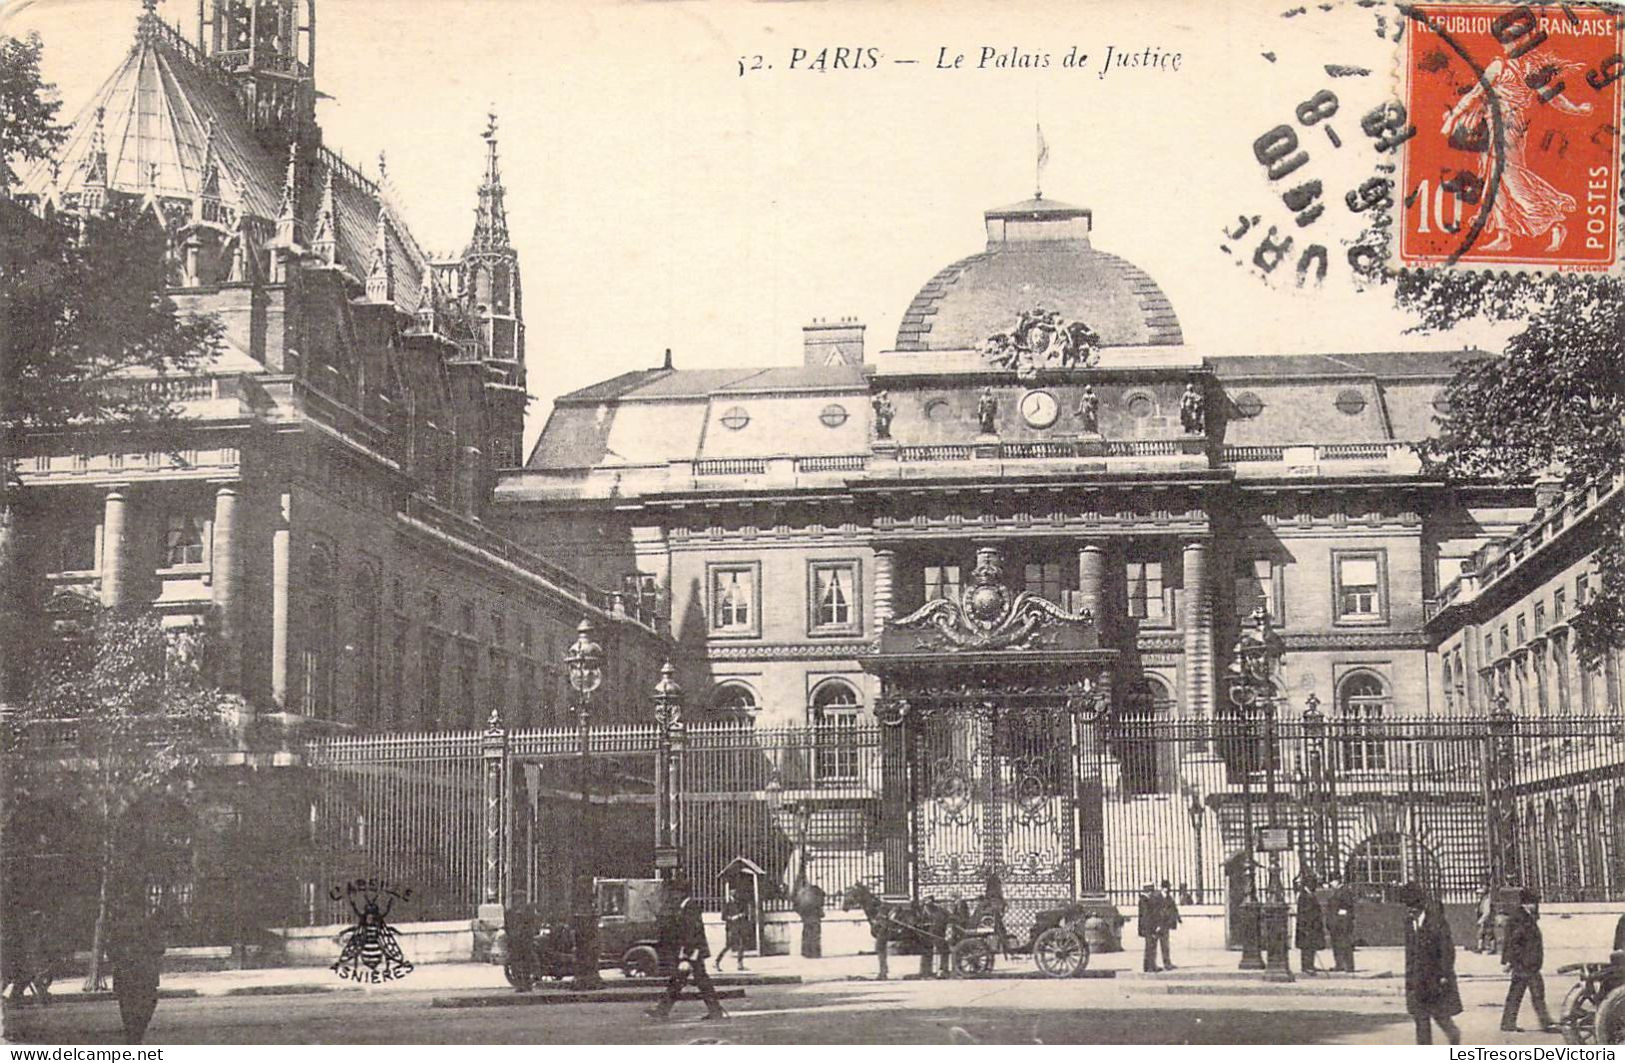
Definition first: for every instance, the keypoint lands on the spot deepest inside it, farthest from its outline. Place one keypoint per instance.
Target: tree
(28, 107)
(115, 726)
(84, 313)
(1554, 404)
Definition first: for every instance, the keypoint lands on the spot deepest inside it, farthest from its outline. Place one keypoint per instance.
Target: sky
(662, 196)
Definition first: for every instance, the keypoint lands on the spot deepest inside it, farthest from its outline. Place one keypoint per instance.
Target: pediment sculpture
(1042, 339)
(987, 615)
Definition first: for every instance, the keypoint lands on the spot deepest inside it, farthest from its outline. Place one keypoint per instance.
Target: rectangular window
(397, 672)
(74, 544)
(1145, 590)
(1360, 596)
(1043, 578)
(183, 540)
(497, 696)
(1255, 587)
(1489, 647)
(1559, 601)
(1560, 657)
(942, 581)
(468, 670)
(835, 731)
(528, 693)
(1582, 590)
(735, 605)
(1523, 629)
(1540, 617)
(832, 597)
(1506, 640)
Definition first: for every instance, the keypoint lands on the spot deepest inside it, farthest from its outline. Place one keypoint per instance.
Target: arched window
(1385, 860)
(1571, 850)
(1595, 837)
(1616, 863)
(1147, 762)
(1361, 701)
(364, 608)
(1551, 863)
(734, 702)
(1449, 687)
(834, 715)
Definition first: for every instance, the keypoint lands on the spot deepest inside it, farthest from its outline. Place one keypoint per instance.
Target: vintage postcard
(746, 523)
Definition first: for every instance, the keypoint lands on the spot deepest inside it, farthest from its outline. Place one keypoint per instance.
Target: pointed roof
(490, 216)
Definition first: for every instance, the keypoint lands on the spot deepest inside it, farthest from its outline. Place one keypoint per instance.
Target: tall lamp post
(585, 666)
(668, 700)
(1197, 812)
(1253, 663)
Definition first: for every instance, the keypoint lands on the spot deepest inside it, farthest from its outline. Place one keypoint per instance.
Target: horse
(888, 921)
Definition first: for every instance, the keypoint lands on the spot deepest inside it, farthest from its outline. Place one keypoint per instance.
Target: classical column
(280, 571)
(885, 609)
(1197, 622)
(1092, 578)
(115, 566)
(227, 574)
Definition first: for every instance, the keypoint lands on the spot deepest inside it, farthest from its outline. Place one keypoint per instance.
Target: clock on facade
(1039, 409)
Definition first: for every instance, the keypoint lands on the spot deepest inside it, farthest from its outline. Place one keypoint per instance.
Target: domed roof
(1038, 255)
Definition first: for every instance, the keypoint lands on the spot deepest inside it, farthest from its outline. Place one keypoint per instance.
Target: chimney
(833, 342)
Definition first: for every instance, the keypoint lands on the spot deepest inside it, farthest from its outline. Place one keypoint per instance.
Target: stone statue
(883, 415)
(1089, 409)
(1193, 410)
(987, 411)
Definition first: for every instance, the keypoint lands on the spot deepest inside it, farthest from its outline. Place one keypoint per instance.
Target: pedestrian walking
(1311, 933)
(809, 904)
(736, 928)
(1431, 993)
(1147, 921)
(1339, 912)
(683, 945)
(1486, 920)
(1523, 954)
(135, 951)
(1166, 925)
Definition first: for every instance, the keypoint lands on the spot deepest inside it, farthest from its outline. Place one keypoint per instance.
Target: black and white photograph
(805, 523)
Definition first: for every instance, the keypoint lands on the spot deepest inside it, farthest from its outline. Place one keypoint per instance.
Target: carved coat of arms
(1042, 339)
(987, 615)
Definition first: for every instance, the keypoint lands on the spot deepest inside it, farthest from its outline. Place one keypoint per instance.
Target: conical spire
(209, 176)
(381, 275)
(287, 219)
(428, 298)
(96, 160)
(491, 217)
(324, 242)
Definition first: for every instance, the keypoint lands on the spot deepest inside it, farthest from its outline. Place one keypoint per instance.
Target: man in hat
(1339, 911)
(1148, 923)
(1311, 935)
(1166, 924)
(1431, 993)
(683, 945)
(1523, 956)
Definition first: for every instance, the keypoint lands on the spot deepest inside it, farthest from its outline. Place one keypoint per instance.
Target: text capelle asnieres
(826, 59)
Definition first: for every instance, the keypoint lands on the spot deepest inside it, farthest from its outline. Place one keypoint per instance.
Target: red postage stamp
(1515, 161)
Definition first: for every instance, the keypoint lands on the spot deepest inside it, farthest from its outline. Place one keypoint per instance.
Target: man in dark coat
(135, 951)
(1431, 993)
(809, 903)
(1149, 920)
(1165, 925)
(936, 918)
(683, 945)
(737, 929)
(1311, 934)
(1523, 956)
(1339, 912)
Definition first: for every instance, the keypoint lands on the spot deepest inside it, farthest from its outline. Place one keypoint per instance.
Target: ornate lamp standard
(585, 665)
(1197, 812)
(668, 700)
(1253, 662)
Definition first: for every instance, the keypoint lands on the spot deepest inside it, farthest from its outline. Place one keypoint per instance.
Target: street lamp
(1197, 812)
(668, 700)
(1253, 662)
(585, 667)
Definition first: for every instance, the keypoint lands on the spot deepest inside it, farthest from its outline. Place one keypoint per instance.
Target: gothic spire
(96, 159)
(209, 174)
(324, 242)
(381, 275)
(491, 217)
(287, 219)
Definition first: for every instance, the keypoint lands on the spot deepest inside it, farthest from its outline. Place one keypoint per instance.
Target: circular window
(936, 410)
(1248, 404)
(833, 415)
(1141, 405)
(1351, 402)
(735, 417)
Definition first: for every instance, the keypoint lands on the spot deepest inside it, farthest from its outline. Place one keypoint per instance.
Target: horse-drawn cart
(1594, 1009)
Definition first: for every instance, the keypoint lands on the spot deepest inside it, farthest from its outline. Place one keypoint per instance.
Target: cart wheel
(1579, 1014)
(640, 961)
(1610, 1024)
(515, 977)
(973, 956)
(1060, 952)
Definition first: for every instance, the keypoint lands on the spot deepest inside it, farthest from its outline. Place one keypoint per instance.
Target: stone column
(1197, 623)
(1092, 579)
(227, 576)
(115, 565)
(281, 562)
(885, 603)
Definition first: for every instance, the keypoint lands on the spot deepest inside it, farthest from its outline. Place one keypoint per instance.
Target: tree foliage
(28, 106)
(1553, 405)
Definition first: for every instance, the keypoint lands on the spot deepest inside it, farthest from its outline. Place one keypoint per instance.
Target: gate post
(494, 760)
(893, 713)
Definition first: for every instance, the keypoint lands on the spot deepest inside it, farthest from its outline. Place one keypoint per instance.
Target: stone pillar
(1092, 579)
(281, 563)
(1197, 623)
(115, 564)
(226, 558)
(885, 574)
